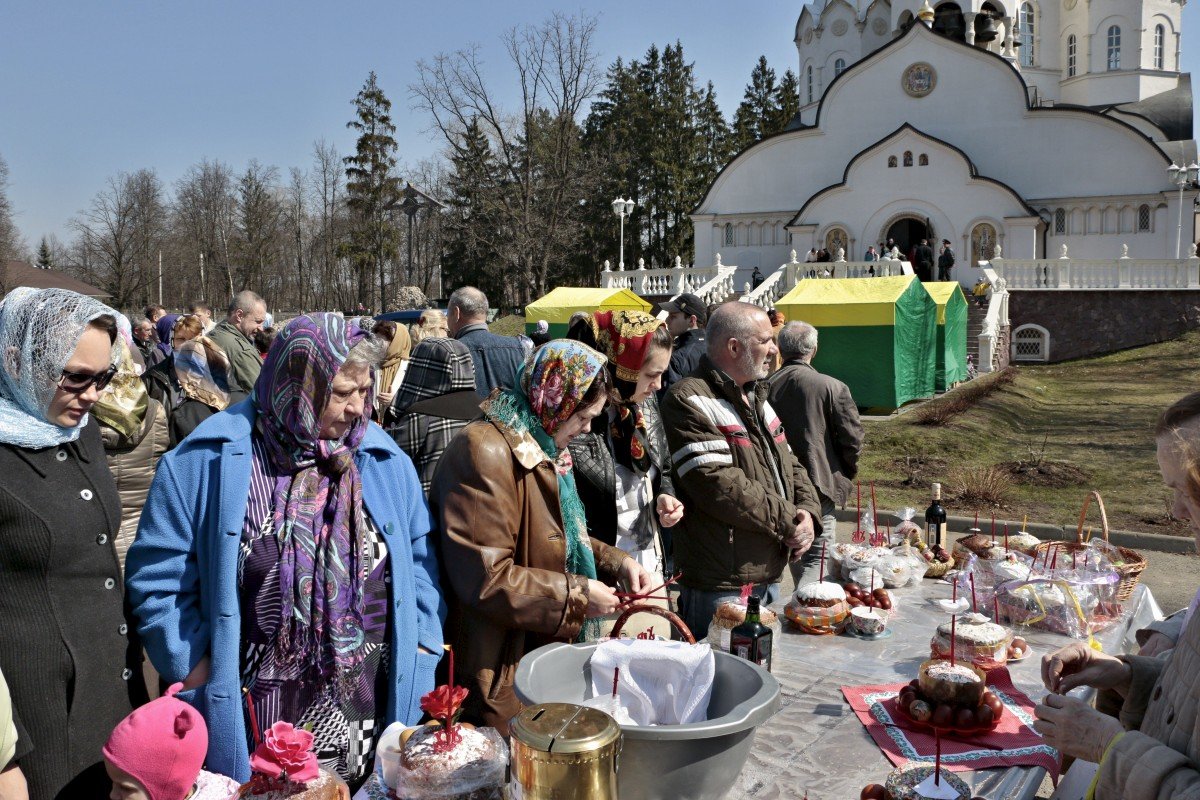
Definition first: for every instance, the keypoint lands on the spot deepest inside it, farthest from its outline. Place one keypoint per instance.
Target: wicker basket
(1130, 572)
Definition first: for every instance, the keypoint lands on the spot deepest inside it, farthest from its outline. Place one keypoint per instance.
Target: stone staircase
(975, 316)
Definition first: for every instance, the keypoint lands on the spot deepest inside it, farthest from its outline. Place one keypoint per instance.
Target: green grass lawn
(1054, 433)
(511, 325)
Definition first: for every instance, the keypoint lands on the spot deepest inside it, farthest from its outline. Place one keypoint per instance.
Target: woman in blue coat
(283, 559)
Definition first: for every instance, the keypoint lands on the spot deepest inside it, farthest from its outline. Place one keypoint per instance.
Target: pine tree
(787, 102)
(372, 187)
(44, 258)
(472, 228)
(758, 110)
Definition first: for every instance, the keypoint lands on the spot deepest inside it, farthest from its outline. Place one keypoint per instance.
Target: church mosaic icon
(919, 79)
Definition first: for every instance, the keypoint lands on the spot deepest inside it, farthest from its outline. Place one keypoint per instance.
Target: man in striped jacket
(750, 503)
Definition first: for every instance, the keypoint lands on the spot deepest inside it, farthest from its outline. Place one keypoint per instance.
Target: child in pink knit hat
(156, 753)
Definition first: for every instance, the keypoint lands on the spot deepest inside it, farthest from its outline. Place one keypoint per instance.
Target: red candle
(253, 717)
(1054, 563)
(616, 677)
(1074, 563)
(953, 628)
(1006, 537)
(450, 650)
(954, 590)
(822, 575)
(937, 758)
(977, 519)
(974, 607)
(993, 526)
(872, 580)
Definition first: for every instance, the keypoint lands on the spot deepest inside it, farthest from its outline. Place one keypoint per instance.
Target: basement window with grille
(1031, 343)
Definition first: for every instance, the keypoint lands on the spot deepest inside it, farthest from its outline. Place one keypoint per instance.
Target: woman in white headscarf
(64, 637)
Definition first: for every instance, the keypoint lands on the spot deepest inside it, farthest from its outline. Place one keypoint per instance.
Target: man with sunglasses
(235, 335)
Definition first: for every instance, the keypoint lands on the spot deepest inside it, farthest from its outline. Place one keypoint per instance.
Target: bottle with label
(752, 640)
(935, 520)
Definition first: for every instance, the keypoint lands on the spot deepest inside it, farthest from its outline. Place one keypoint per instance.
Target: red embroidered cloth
(1012, 743)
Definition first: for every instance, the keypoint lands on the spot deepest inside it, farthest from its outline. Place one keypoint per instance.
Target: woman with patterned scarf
(623, 465)
(521, 567)
(283, 560)
(202, 372)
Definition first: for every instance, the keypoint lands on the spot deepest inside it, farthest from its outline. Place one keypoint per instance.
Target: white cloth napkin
(661, 683)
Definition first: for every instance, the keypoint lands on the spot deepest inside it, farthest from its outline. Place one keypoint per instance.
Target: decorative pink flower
(286, 749)
(548, 393)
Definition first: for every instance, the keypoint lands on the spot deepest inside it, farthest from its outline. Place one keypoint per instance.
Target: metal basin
(698, 761)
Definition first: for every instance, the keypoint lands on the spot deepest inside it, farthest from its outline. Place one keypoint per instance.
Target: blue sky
(90, 89)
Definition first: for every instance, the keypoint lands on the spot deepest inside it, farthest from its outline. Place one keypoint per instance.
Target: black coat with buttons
(65, 643)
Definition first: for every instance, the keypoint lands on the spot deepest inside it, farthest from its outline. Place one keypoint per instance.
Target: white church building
(1026, 124)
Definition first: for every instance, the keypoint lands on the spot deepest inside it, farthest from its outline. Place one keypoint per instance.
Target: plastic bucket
(699, 761)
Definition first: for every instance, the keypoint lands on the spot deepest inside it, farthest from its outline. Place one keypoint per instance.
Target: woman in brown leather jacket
(521, 568)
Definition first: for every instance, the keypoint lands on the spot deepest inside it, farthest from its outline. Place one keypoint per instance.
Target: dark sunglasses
(78, 382)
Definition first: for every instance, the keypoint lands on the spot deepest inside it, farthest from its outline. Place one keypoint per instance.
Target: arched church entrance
(907, 233)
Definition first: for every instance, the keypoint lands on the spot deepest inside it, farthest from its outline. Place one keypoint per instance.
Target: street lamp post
(622, 208)
(1181, 177)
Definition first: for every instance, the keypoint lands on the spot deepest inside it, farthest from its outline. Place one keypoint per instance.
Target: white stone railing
(659, 281)
(994, 321)
(789, 275)
(1119, 273)
(718, 287)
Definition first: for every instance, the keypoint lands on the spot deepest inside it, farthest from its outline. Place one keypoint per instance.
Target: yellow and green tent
(951, 346)
(558, 306)
(876, 335)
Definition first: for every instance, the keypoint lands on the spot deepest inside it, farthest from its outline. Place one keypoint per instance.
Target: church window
(728, 234)
(923, 160)
(1026, 32)
(1030, 342)
(1114, 47)
(983, 242)
(1071, 56)
(1144, 218)
(1160, 35)
(809, 78)
(908, 158)
(891, 162)
(839, 66)
(1060, 220)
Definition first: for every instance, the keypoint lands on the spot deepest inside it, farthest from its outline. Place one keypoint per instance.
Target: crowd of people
(293, 533)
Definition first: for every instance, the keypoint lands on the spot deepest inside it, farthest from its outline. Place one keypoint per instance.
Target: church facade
(1020, 124)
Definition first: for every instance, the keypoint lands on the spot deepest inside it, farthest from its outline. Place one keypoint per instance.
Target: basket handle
(1083, 516)
(667, 614)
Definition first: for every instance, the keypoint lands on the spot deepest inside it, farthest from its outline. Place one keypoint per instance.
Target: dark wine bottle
(752, 640)
(935, 520)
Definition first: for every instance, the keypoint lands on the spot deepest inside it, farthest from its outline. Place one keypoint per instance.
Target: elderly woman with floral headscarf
(64, 639)
(623, 464)
(436, 401)
(284, 552)
(524, 570)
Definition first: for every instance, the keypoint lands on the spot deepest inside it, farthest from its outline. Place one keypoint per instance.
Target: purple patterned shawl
(317, 504)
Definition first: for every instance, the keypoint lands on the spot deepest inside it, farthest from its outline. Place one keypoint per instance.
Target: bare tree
(259, 214)
(544, 172)
(10, 238)
(327, 186)
(205, 212)
(118, 235)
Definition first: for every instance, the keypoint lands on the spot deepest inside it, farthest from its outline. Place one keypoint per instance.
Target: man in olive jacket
(235, 335)
(823, 428)
(750, 505)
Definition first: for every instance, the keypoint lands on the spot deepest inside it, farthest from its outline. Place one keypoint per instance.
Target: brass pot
(561, 751)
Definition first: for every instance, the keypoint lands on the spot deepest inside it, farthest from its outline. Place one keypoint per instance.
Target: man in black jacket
(686, 317)
(822, 426)
(923, 261)
(945, 261)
